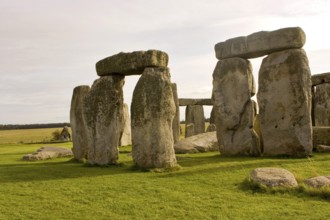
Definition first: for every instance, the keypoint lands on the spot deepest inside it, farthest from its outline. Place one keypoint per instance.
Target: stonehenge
(100, 118)
(289, 103)
(194, 115)
(284, 95)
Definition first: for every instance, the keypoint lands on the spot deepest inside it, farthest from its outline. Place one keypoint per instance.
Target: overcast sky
(50, 46)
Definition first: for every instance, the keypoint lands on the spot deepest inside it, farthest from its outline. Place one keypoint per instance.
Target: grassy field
(27, 135)
(208, 186)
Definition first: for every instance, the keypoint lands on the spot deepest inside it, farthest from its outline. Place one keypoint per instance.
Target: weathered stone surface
(77, 123)
(321, 104)
(195, 115)
(261, 43)
(273, 177)
(152, 112)
(318, 182)
(212, 116)
(126, 137)
(45, 153)
(198, 143)
(65, 134)
(176, 119)
(131, 63)
(186, 102)
(323, 148)
(232, 86)
(284, 98)
(318, 79)
(321, 136)
(190, 130)
(103, 112)
(211, 128)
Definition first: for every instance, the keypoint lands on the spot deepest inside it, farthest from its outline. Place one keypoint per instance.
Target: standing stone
(195, 115)
(322, 105)
(284, 99)
(190, 130)
(152, 111)
(232, 88)
(126, 138)
(176, 119)
(78, 124)
(103, 111)
(212, 116)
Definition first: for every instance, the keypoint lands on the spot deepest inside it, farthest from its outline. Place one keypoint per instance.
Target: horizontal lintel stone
(318, 79)
(261, 43)
(185, 102)
(131, 63)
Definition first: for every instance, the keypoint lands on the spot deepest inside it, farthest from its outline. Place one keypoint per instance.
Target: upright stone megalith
(195, 115)
(126, 137)
(284, 98)
(322, 105)
(152, 113)
(103, 112)
(176, 119)
(233, 108)
(77, 122)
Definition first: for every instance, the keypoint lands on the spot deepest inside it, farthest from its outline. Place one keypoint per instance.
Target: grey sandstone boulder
(321, 78)
(103, 112)
(48, 152)
(321, 136)
(273, 177)
(284, 99)
(126, 137)
(190, 130)
(211, 128)
(195, 115)
(176, 119)
(131, 63)
(78, 124)
(152, 112)
(318, 182)
(233, 108)
(198, 143)
(261, 43)
(322, 148)
(321, 104)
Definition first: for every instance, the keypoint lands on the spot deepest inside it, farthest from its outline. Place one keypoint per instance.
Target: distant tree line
(33, 126)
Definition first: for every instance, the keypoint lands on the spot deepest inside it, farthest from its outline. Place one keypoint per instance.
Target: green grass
(27, 135)
(208, 186)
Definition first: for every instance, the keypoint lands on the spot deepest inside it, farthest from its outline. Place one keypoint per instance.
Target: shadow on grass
(41, 170)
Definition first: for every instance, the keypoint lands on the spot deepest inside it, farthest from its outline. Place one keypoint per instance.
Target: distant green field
(208, 186)
(27, 135)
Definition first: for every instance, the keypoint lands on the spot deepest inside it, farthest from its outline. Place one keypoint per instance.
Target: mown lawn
(207, 187)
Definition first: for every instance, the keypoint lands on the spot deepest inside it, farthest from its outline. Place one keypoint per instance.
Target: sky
(48, 47)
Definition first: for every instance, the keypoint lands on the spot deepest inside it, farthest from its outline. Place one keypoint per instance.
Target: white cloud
(49, 47)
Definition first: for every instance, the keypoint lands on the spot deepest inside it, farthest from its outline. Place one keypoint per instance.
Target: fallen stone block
(198, 143)
(48, 152)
